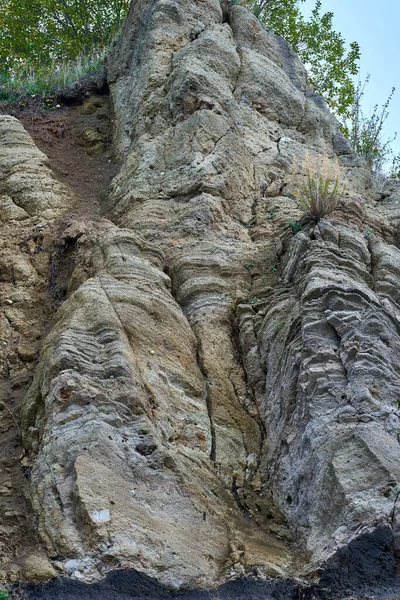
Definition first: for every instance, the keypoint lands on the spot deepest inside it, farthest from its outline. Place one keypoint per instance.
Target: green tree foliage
(38, 33)
(331, 64)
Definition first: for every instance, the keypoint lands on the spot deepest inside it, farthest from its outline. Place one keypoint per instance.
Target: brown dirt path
(77, 141)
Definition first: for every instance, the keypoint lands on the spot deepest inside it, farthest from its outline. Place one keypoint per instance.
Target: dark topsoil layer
(365, 570)
(76, 93)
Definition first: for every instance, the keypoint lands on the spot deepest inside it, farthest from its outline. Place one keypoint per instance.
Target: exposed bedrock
(217, 396)
(32, 206)
(328, 342)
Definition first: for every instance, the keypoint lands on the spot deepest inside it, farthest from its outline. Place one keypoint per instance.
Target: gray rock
(240, 379)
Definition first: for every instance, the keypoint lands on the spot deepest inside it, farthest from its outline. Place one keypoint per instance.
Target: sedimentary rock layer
(217, 395)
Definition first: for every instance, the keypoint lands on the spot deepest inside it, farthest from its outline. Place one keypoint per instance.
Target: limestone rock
(32, 206)
(217, 394)
(38, 568)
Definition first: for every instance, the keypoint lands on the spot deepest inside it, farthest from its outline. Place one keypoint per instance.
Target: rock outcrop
(216, 395)
(32, 206)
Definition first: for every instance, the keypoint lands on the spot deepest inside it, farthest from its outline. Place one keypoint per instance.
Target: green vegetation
(369, 232)
(4, 596)
(295, 225)
(320, 193)
(48, 80)
(40, 33)
(46, 45)
(366, 136)
(331, 65)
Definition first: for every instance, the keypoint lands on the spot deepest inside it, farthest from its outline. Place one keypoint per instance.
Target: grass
(322, 189)
(4, 596)
(48, 80)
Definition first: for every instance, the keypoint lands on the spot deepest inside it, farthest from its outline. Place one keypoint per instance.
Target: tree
(367, 139)
(323, 50)
(38, 33)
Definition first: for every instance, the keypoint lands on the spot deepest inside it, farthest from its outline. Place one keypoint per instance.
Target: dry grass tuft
(320, 192)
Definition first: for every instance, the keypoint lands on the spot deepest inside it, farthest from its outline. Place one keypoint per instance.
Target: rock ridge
(216, 396)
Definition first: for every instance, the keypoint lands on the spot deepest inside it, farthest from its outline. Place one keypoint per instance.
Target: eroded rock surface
(32, 204)
(216, 396)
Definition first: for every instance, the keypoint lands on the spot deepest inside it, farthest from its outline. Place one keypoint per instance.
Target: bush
(321, 191)
(367, 139)
(41, 33)
(48, 80)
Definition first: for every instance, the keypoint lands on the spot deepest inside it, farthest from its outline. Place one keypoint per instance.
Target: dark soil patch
(127, 584)
(17, 531)
(131, 585)
(90, 85)
(74, 94)
(364, 570)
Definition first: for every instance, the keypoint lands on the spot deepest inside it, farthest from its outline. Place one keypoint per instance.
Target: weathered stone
(38, 568)
(217, 393)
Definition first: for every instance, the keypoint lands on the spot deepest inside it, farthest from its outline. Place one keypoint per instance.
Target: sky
(375, 26)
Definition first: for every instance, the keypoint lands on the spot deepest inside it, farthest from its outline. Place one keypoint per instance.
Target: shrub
(295, 225)
(48, 80)
(366, 135)
(321, 191)
(40, 33)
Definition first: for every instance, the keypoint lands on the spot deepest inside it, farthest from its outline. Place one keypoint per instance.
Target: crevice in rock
(372, 266)
(213, 450)
(236, 345)
(62, 263)
(239, 53)
(297, 127)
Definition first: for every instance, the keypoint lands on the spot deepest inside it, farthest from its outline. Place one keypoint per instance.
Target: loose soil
(131, 585)
(77, 141)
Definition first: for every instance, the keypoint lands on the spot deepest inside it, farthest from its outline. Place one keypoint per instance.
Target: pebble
(101, 516)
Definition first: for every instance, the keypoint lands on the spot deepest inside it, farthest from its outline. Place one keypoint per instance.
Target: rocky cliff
(216, 395)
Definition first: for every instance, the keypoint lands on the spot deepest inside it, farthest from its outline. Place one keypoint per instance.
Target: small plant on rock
(322, 189)
(369, 232)
(295, 225)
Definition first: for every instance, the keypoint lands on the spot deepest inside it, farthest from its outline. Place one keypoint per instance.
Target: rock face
(32, 206)
(216, 396)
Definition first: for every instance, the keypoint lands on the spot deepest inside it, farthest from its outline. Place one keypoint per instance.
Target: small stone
(101, 516)
(27, 351)
(74, 231)
(78, 575)
(72, 565)
(38, 568)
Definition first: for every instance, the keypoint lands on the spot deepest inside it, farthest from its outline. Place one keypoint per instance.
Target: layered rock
(32, 205)
(328, 345)
(217, 395)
